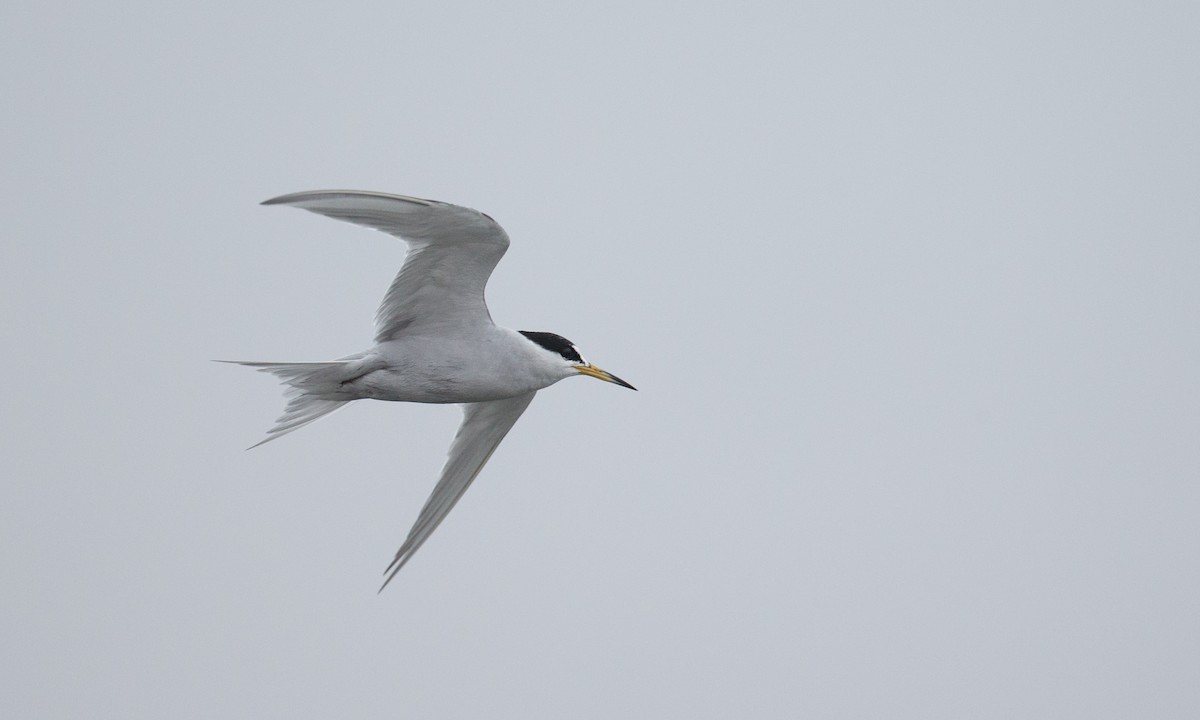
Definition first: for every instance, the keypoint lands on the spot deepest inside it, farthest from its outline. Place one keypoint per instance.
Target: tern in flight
(435, 341)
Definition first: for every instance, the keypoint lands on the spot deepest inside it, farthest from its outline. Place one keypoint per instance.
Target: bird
(435, 342)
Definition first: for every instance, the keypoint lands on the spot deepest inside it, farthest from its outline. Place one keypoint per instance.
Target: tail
(309, 386)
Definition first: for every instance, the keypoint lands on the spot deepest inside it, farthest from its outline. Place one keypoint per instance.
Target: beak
(593, 371)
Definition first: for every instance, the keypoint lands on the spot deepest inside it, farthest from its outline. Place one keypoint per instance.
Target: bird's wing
(452, 251)
(484, 425)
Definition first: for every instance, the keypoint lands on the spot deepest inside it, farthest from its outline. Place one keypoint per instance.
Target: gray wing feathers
(452, 252)
(484, 425)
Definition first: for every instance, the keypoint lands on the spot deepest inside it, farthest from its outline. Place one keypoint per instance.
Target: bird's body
(491, 365)
(434, 342)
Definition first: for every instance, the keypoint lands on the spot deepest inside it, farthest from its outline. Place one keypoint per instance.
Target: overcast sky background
(910, 292)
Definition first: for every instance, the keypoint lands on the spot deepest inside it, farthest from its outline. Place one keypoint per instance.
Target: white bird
(435, 341)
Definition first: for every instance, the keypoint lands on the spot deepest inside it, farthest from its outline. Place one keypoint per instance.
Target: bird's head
(572, 361)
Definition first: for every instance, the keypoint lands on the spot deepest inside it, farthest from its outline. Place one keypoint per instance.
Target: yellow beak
(593, 371)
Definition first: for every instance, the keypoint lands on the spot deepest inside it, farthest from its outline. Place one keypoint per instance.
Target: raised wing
(484, 425)
(452, 251)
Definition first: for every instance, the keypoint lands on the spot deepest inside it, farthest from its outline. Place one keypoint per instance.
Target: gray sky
(910, 292)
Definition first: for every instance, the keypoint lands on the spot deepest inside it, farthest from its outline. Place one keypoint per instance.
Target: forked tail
(309, 387)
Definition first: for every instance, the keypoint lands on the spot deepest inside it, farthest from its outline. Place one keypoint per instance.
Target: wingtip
(278, 199)
(393, 568)
(290, 198)
(388, 580)
(310, 195)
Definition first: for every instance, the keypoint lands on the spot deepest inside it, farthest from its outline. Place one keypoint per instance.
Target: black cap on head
(555, 344)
